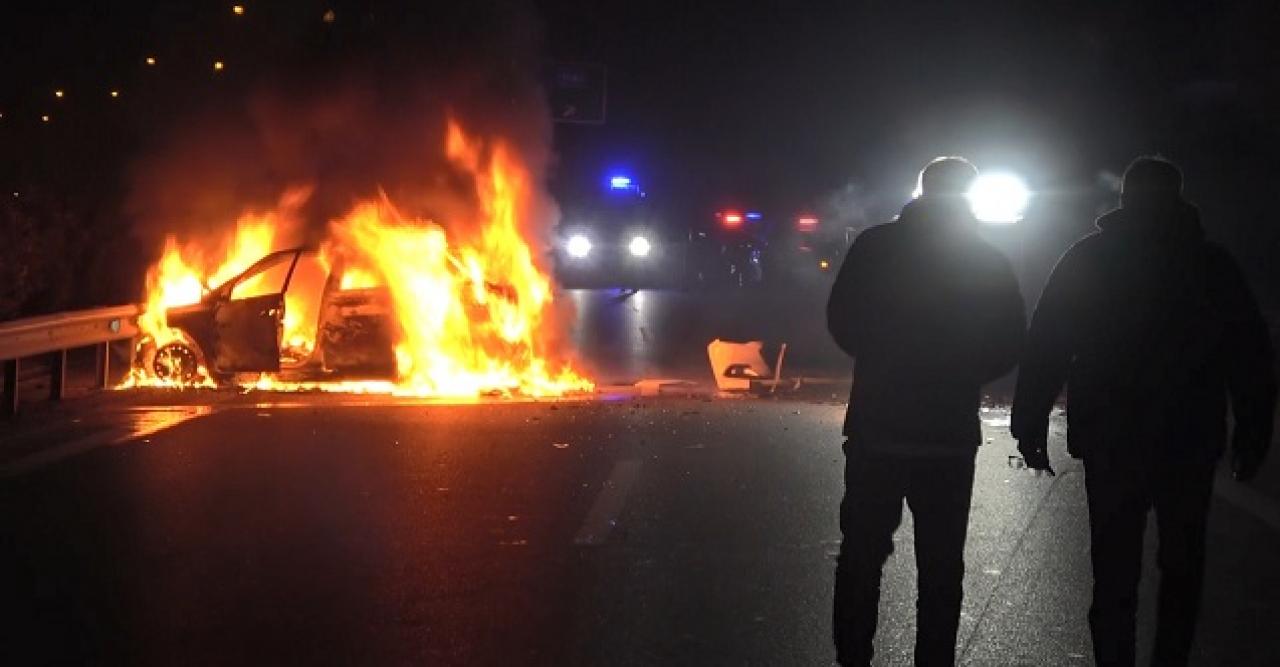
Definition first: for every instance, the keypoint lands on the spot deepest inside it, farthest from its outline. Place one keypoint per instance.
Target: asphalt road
(215, 527)
(268, 529)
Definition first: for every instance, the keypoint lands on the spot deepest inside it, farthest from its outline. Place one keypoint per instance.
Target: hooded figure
(929, 312)
(1151, 328)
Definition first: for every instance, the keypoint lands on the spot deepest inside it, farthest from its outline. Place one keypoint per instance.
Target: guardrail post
(58, 375)
(104, 365)
(10, 406)
(54, 335)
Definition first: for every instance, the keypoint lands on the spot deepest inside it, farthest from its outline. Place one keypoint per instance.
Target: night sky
(777, 105)
(795, 100)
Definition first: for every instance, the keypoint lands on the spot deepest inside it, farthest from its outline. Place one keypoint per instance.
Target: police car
(616, 239)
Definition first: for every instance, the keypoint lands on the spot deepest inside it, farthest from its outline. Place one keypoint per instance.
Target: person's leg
(1118, 505)
(939, 494)
(1182, 509)
(869, 513)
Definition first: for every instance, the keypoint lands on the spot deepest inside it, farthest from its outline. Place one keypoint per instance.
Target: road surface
(216, 528)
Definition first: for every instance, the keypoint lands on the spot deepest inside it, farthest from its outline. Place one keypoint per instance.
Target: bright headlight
(578, 246)
(998, 198)
(639, 246)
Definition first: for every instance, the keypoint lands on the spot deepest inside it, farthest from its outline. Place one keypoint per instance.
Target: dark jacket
(930, 312)
(1150, 327)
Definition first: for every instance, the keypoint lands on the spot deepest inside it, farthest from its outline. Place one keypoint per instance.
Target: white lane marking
(1253, 502)
(139, 424)
(604, 513)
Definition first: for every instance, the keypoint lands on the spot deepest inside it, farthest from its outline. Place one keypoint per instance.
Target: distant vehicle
(240, 325)
(806, 251)
(615, 238)
(731, 252)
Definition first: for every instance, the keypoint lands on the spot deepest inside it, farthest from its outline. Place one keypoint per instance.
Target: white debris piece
(734, 365)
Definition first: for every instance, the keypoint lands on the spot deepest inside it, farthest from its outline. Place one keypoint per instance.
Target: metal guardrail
(55, 335)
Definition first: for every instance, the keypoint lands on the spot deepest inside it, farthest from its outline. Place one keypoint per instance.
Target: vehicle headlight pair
(579, 246)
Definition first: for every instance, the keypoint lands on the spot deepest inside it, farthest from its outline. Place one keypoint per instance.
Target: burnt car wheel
(176, 362)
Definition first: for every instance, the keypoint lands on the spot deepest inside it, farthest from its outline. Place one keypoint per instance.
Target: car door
(248, 320)
(356, 326)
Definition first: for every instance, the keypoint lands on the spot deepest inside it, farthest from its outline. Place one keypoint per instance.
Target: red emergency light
(807, 223)
(731, 219)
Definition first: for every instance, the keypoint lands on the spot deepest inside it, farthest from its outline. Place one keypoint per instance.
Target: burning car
(457, 309)
(287, 312)
(294, 311)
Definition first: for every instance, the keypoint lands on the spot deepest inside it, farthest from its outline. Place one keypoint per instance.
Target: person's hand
(1245, 464)
(1035, 453)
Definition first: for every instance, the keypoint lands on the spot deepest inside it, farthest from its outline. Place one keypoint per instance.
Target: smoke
(1110, 181)
(849, 207)
(356, 124)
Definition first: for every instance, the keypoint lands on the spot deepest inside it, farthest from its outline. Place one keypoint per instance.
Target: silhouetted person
(1151, 328)
(929, 312)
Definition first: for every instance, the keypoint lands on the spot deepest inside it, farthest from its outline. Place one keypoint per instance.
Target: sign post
(578, 93)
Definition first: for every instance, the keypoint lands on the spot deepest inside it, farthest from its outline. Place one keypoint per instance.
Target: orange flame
(185, 273)
(468, 315)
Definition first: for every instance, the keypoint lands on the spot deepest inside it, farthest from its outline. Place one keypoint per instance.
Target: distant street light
(238, 10)
(45, 118)
(218, 66)
(151, 60)
(59, 93)
(115, 93)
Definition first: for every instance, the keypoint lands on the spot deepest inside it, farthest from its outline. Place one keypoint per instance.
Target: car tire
(176, 362)
(178, 359)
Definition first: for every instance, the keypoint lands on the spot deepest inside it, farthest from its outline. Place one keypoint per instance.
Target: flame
(185, 273)
(467, 304)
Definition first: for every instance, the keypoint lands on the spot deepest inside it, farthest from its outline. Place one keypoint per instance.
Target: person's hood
(1169, 219)
(946, 210)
